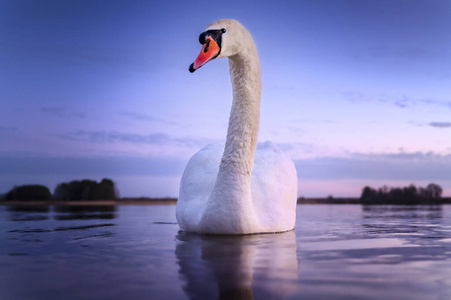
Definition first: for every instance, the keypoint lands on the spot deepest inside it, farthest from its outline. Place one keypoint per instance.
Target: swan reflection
(237, 267)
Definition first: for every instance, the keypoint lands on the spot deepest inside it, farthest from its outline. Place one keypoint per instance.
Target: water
(138, 252)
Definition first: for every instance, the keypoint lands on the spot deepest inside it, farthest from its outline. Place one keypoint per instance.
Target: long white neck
(233, 183)
(244, 118)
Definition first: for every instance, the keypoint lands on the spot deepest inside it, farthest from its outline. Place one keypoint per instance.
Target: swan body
(237, 188)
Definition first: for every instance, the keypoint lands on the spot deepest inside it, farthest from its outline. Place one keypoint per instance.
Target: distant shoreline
(125, 201)
(173, 201)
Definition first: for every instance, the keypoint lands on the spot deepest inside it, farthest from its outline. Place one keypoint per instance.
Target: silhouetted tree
(406, 195)
(28, 192)
(410, 192)
(107, 189)
(86, 190)
(368, 194)
(434, 190)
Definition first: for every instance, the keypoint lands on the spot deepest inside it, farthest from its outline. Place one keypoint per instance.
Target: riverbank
(124, 201)
(173, 201)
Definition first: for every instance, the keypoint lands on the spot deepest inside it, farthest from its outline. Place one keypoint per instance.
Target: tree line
(411, 194)
(69, 191)
(106, 190)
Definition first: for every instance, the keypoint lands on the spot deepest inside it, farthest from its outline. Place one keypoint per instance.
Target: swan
(239, 188)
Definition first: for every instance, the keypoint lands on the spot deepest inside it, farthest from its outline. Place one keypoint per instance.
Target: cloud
(396, 166)
(133, 138)
(7, 128)
(90, 166)
(401, 101)
(59, 111)
(403, 156)
(357, 96)
(405, 101)
(440, 124)
(407, 54)
(328, 172)
(145, 117)
(79, 55)
(55, 111)
(301, 150)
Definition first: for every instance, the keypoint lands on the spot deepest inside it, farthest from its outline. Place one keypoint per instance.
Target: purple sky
(356, 92)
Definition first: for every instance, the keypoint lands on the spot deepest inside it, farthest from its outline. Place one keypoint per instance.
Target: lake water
(138, 252)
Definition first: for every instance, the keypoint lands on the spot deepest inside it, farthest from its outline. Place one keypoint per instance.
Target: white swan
(251, 191)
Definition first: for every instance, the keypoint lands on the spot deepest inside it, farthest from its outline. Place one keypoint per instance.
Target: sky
(357, 92)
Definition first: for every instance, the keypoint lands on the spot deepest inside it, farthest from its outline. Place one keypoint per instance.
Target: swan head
(223, 38)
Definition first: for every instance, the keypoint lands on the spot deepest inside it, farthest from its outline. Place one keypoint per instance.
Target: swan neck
(241, 142)
(232, 190)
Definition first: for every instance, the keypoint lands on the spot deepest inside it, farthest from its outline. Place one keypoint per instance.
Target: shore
(173, 201)
(163, 201)
(124, 201)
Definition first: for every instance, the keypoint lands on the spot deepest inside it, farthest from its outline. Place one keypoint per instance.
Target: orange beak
(210, 50)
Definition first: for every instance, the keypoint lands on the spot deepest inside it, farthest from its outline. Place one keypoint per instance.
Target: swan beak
(210, 50)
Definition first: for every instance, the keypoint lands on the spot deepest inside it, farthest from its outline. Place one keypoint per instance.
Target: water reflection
(81, 222)
(85, 212)
(419, 229)
(84, 208)
(19, 213)
(29, 208)
(415, 220)
(429, 212)
(62, 212)
(343, 252)
(237, 267)
(86, 229)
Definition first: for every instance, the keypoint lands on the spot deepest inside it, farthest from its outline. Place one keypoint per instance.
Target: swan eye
(214, 34)
(203, 38)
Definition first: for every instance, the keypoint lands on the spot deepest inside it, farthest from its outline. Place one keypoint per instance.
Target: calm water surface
(138, 252)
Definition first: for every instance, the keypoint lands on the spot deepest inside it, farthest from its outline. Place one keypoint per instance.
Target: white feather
(239, 188)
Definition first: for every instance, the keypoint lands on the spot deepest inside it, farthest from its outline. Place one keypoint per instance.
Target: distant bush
(406, 195)
(28, 193)
(86, 190)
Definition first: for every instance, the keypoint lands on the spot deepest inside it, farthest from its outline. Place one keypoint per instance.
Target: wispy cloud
(357, 96)
(70, 54)
(440, 124)
(134, 138)
(91, 166)
(445, 76)
(403, 156)
(7, 128)
(59, 111)
(401, 101)
(394, 166)
(53, 110)
(301, 150)
(395, 53)
(361, 168)
(144, 117)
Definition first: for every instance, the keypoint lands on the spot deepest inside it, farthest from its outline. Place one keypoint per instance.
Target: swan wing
(196, 185)
(274, 188)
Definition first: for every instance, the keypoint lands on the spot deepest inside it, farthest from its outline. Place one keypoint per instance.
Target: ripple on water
(356, 244)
